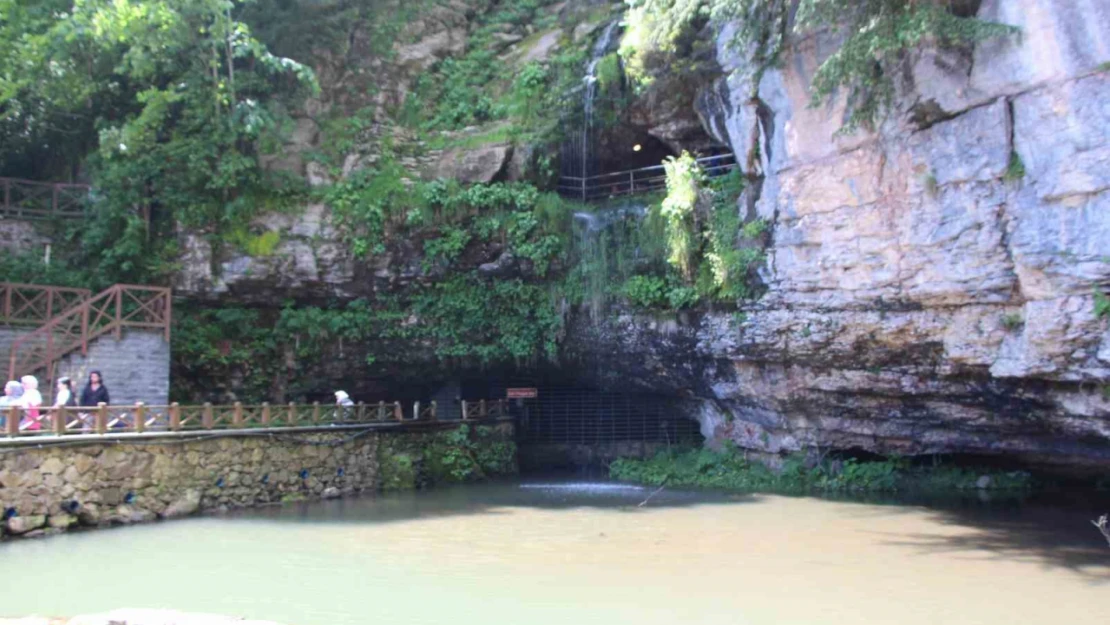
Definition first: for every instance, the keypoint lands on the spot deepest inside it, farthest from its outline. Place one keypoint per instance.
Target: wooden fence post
(483, 412)
(140, 417)
(101, 418)
(463, 410)
(292, 414)
(175, 417)
(237, 415)
(361, 414)
(315, 412)
(381, 411)
(397, 412)
(207, 420)
(265, 414)
(60, 420)
(434, 410)
(416, 411)
(13, 421)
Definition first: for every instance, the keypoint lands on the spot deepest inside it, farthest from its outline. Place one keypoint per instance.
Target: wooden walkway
(138, 421)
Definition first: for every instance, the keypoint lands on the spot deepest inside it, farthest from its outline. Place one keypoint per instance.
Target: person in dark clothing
(95, 392)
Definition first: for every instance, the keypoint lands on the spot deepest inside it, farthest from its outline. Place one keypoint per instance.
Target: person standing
(92, 395)
(63, 395)
(32, 401)
(345, 405)
(13, 396)
(94, 392)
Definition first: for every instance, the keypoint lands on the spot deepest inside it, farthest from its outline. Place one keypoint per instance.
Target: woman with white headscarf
(344, 402)
(32, 400)
(13, 396)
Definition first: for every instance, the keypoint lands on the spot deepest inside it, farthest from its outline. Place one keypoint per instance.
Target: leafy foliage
(876, 35)
(1102, 305)
(729, 469)
(462, 454)
(175, 96)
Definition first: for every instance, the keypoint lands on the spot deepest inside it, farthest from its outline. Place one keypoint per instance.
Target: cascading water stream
(577, 152)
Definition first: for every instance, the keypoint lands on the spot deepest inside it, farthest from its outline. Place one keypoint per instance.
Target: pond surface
(574, 553)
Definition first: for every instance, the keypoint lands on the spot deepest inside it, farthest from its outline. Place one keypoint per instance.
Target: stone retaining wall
(46, 489)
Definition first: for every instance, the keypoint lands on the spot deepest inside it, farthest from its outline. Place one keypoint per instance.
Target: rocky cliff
(932, 285)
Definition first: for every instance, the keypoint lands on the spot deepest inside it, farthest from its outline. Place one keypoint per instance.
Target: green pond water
(542, 552)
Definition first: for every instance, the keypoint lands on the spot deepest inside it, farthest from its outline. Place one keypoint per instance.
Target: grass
(499, 133)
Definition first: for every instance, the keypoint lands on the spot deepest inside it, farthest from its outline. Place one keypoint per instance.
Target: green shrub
(1102, 305)
(729, 469)
(1015, 169)
(646, 291)
(1012, 321)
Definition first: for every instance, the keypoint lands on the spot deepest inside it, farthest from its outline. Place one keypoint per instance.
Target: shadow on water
(1052, 530)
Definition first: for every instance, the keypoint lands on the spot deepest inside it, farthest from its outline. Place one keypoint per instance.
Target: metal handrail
(111, 310)
(33, 199)
(633, 181)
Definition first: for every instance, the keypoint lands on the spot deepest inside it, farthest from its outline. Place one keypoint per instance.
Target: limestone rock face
(481, 164)
(922, 295)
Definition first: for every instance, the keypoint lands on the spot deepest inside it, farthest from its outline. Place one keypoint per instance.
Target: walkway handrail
(633, 181)
(35, 304)
(120, 306)
(32, 199)
(142, 419)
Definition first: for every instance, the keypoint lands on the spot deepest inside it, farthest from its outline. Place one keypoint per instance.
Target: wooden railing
(142, 419)
(111, 310)
(35, 304)
(635, 181)
(30, 199)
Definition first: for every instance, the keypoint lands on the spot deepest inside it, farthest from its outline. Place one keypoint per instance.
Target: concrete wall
(102, 483)
(135, 368)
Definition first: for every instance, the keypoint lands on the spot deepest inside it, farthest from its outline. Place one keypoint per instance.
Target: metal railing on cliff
(31, 199)
(118, 307)
(635, 181)
(175, 419)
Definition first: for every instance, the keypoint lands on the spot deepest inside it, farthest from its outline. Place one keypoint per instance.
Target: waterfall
(609, 245)
(578, 156)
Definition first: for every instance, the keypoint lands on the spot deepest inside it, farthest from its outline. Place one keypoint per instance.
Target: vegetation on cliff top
(876, 36)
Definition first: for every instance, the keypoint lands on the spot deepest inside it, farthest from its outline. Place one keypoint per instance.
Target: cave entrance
(570, 426)
(576, 428)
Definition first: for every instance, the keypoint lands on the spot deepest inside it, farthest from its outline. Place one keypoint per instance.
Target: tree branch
(1103, 525)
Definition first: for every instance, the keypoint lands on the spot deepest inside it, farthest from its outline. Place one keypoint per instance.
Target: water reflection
(551, 552)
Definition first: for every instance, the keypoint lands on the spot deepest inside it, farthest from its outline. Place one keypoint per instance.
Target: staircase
(70, 320)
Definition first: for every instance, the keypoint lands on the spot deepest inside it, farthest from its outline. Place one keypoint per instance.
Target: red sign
(522, 393)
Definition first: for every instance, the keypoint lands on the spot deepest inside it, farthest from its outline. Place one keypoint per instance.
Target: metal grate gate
(583, 417)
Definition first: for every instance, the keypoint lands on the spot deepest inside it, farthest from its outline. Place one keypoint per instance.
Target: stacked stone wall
(44, 489)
